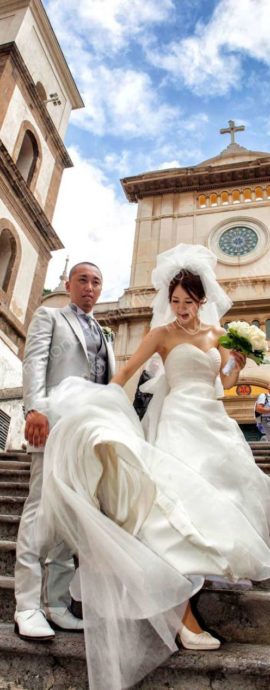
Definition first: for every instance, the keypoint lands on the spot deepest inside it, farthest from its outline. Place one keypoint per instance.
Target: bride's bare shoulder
(159, 333)
(217, 330)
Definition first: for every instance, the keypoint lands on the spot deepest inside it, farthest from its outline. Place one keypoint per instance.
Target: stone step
(232, 667)
(261, 451)
(9, 525)
(10, 474)
(14, 488)
(264, 584)
(11, 505)
(19, 456)
(236, 616)
(7, 599)
(7, 557)
(60, 664)
(14, 465)
(265, 467)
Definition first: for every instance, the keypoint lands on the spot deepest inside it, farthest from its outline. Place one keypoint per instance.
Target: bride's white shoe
(201, 641)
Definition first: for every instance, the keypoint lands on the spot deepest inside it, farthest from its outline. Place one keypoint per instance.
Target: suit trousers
(59, 566)
(265, 422)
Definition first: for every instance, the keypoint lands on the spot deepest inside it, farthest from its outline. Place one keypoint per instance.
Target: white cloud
(109, 23)
(169, 164)
(176, 153)
(94, 225)
(211, 60)
(123, 103)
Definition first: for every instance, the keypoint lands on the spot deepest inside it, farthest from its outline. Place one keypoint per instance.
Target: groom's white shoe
(201, 641)
(62, 619)
(32, 625)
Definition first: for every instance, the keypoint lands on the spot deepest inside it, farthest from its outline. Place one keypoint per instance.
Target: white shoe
(201, 641)
(32, 625)
(62, 619)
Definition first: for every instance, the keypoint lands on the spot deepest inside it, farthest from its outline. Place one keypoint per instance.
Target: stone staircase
(240, 614)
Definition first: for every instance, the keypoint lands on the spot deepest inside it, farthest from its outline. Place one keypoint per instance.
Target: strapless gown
(217, 501)
(149, 520)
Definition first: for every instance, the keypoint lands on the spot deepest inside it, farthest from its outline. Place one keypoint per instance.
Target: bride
(150, 513)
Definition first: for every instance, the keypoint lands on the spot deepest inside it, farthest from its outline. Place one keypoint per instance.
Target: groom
(60, 342)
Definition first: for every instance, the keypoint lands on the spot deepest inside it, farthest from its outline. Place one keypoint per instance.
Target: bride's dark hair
(190, 282)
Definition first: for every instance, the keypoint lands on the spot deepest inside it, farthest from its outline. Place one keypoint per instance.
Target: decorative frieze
(196, 178)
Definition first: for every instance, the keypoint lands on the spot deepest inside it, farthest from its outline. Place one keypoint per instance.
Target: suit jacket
(55, 348)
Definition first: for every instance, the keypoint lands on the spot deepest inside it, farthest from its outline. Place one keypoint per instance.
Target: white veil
(200, 261)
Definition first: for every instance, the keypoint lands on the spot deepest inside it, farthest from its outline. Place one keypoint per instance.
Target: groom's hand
(36, 428)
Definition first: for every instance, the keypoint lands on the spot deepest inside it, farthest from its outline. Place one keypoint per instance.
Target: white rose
(253, 334)
(258, 342)
(241, 327)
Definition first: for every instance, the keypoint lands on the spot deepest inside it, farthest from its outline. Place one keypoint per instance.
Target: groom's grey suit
(55, 349)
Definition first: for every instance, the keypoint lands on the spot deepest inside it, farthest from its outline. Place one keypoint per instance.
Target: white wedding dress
(190, 503)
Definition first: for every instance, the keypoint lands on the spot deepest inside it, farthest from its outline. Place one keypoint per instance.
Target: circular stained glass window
(238, 241)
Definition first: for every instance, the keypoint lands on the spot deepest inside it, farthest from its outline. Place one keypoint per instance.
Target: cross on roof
(232, 129)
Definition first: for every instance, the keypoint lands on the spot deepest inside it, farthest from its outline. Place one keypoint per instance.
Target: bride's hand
(240, 359)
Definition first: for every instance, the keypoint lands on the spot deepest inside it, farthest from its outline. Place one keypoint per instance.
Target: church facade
(224, 204)
(37, 94)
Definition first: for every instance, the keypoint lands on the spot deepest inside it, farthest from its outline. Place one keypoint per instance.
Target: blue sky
(159, 78)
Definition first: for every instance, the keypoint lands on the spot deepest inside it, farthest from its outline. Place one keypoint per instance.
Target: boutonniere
(108, 334)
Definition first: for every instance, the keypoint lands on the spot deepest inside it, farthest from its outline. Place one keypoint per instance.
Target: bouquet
(250, 340)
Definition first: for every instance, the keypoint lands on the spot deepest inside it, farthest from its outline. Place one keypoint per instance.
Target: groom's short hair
(82, 263)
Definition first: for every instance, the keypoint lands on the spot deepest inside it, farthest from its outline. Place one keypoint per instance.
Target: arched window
(213, 199)
(224, 197)
(247, 194)
(7, 257)
(259, 193)
(255, 323)
(236, 196)
(41, 91)
(267, 328)
(28, 156)
(202, 201)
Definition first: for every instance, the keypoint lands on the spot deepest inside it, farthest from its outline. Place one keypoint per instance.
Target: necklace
(189, 331)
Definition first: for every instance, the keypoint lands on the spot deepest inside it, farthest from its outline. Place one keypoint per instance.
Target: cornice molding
(11, 50)
(21, 193)
(244, 281)
(197, 179)
(117, 314)
(11, 393)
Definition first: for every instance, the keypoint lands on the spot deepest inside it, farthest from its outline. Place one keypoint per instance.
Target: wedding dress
(149, 519)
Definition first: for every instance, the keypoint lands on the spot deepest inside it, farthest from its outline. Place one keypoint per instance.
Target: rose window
(238, 241)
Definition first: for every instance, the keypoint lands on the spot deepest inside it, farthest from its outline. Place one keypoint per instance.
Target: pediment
(234, 153)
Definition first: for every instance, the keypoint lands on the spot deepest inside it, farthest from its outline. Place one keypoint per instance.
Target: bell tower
(37, 94)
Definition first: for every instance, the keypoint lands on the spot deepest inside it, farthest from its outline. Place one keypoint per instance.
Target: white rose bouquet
(250, 340)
